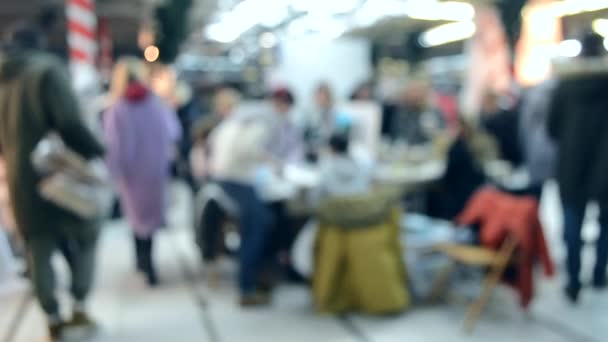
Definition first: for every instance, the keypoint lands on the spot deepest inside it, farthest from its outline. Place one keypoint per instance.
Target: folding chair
(496, 261)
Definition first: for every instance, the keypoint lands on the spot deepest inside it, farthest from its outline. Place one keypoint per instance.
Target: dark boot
(600, 281)
(147, 263)
(256, 299)
(81, 325)
(56, 331)
(572, 293)
(139, 264)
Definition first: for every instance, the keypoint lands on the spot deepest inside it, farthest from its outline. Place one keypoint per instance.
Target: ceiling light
(569, 48)
(268, 40)
(244, 16)
(330, 7)
(447, 33)
(569, 7)
(600, 26)
(572, 7)
(151, 53)
(434, 10)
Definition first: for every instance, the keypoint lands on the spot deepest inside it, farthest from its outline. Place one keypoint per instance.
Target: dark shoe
(152, 278)
(600, 283)
(572, 293)
(80, 327)
(140, 266)
(266, 283)
(56, 331)
(81, 320)
(255, 300)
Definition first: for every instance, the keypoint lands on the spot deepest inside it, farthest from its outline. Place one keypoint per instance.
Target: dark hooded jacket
(578, 121)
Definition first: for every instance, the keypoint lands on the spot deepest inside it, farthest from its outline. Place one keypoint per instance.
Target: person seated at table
(341, 173)
(464, 172)
(211, 209)
(285, 141)
(415, 120)
(320, 121)
(285, 146)
(225, 101)
(237, 150)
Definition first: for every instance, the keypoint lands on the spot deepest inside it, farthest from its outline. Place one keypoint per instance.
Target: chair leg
(491, 281)
(440, 284)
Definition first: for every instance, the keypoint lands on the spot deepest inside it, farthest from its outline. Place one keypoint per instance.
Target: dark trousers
(211, 234)
(143, 254)
(254, 222)
(283, 231)
(573, 222)
(40, 249)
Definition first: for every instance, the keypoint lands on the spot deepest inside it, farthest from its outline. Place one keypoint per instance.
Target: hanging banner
(541, 32)
(490, 61)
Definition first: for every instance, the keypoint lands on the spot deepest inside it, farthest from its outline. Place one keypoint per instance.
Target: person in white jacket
(237, 149)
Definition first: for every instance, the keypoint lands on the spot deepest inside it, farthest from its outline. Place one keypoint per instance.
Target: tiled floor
(185, 309)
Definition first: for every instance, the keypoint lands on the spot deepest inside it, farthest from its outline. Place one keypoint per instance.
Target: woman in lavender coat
(140, 132)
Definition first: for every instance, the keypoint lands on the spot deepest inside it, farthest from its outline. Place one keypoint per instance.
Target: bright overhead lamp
(447, 33)
(268, 40)
(151, 53)
(569, 48)
(330, 7)
(570, 7)
(244, 16)
(600, 26)
(434, 10)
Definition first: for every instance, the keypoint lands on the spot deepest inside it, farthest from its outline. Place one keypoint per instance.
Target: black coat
(578, 121)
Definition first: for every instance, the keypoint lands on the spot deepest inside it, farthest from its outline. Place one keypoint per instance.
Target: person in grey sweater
(539, 150)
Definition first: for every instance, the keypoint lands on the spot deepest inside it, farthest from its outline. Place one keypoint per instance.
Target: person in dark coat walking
(35, 99)
(578, 121)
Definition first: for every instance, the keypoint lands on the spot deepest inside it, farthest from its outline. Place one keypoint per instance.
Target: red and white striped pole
(82, 41)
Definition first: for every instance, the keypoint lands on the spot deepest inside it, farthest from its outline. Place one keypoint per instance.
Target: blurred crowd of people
(555, 131)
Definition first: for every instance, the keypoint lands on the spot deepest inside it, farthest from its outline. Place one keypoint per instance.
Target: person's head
(416, 95)
(24, 37)
(338, 144)
(490, 103)
(225, 101)
(126, 71)
(282, 100)
(592, 45)
(324, 96)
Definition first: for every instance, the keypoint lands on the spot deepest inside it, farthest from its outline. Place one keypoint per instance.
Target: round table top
(297, 177)
(410, 173)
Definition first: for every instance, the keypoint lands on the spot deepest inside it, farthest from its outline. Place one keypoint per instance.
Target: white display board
(303, 63)
(367, 119)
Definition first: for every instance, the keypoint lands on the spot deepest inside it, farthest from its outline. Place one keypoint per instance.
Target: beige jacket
(237, 148)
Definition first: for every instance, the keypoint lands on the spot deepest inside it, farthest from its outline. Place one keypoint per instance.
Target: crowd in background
(554, 131)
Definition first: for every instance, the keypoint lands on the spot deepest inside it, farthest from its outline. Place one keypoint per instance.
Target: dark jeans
(573, 222)
(254, 222)
(209, 238)
(283, 229)
(82, 266)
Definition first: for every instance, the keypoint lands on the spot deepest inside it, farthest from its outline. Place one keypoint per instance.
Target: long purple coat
(140, 131)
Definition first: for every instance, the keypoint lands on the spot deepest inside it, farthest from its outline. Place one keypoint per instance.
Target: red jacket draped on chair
(499, 215)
